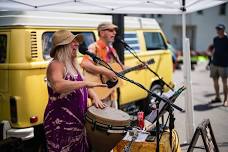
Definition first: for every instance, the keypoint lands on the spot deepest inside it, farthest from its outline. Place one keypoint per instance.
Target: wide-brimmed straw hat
(63, 37)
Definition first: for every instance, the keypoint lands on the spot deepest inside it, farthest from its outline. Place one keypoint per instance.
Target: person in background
(219, 63)
(103, 49)
(68, 92)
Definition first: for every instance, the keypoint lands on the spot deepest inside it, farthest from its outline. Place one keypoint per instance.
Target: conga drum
(106, 127)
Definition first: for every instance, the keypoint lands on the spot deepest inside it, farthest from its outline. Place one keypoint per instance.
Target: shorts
(217, 71)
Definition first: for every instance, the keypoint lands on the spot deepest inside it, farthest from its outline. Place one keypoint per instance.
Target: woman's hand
(98, 103)
(95, 99)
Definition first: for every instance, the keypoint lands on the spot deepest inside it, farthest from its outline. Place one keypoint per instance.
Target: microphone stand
(129, 49)
(171, 125)
(157, 101)
(158, 98)
(170, 109)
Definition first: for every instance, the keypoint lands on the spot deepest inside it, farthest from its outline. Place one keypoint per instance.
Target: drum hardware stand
(157, 101)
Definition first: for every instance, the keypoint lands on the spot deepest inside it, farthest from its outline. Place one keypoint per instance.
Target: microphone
(118, 39)
(83, 50)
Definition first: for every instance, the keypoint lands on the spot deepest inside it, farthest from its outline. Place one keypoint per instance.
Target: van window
(154, 41)
(89, 38)
(3, 46)
(132, 40)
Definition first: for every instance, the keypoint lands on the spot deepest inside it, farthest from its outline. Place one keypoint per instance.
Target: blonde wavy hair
(64, 55)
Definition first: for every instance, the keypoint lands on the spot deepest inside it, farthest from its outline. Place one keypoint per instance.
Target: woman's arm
(55, 75)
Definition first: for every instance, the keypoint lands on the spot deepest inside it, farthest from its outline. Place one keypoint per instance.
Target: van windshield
(154, 41)
(89, 38)
(3, 46)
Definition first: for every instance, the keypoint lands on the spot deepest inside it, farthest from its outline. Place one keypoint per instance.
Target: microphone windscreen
(82, 49)
(112, 83)
(118, 39)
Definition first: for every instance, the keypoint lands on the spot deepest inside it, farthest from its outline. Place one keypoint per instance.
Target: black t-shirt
(220, 56)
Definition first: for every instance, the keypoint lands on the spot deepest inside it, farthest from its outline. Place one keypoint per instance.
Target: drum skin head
(108, 115)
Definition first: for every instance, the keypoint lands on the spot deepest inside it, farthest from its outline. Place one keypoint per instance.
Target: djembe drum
(106, 127)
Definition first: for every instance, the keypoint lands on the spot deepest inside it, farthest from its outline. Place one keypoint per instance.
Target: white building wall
(204, 25)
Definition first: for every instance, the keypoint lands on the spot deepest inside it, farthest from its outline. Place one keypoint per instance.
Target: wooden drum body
(106, 127)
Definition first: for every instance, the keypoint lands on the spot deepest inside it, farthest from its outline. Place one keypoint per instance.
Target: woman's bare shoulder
(55, 65)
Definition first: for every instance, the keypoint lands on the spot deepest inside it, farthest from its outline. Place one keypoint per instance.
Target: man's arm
(92, 68)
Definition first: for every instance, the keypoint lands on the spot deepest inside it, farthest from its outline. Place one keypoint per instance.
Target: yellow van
(25, 42)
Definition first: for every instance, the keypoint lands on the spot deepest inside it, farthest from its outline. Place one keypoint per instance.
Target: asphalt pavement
(203, 93)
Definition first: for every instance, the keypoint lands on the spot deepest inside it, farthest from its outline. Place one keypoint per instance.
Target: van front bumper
(24, 134)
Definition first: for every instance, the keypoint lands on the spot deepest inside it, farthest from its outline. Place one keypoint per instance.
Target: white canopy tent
(128, 7)
(111, 6)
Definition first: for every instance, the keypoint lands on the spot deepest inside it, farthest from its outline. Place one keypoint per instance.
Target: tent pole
(118, 19)
(189, 119)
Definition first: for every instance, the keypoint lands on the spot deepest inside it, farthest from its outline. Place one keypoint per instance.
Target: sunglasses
(110, 30)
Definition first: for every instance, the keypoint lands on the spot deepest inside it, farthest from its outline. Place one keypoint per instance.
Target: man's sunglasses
(110, 30)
